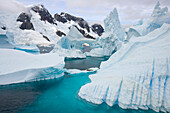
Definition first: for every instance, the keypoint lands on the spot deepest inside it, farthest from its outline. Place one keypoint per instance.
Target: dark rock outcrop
(4, 28)
(59, 18)
(84, 34)
(60, 33)
(44, 13)
(98, 29)
(46, 38)
(26, 21)
(65, 17)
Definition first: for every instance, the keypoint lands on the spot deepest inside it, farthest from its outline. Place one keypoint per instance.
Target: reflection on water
(15, 97)
(83, 64)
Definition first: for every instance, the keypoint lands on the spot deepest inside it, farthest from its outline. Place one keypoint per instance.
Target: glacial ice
(18, 66)
(137, 76)
(157, 19)
(112, 24)
(112, 38)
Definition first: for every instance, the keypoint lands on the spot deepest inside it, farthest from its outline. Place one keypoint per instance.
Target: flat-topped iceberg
(137, 76)
(18, 66)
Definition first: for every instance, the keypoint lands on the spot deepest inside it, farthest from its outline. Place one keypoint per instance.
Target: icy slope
(19, 66)
(137, 76)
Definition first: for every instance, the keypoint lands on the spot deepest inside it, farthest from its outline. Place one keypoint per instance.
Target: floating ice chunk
(19, 66)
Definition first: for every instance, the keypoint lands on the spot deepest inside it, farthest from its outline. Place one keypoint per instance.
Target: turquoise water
(55, 95)
(62, 97)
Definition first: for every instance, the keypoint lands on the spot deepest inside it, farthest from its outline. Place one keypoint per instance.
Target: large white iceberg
(18, 66)
(137, 76)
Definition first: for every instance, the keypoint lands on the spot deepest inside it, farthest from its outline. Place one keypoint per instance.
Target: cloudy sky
(96, 10)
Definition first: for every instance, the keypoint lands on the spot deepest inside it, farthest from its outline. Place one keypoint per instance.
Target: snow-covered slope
(18, 66)
(34, 25)
(137, 76)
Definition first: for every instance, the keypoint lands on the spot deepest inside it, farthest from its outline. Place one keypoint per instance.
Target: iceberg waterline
(19, 66)
(138, 78)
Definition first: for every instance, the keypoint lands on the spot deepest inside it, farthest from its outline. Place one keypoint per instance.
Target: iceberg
(4, 43)
(156, 20)
(18, 66)
(136, 76)
(112, 24)
(112, 38)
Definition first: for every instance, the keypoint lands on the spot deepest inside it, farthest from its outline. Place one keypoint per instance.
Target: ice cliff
(18, 66)
(137, 76)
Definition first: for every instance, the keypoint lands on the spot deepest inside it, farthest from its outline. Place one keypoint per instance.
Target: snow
(86, 44)
(137, 76)
(77, 72)
(74, 42)
(2, 32)
(44, 27)
(157, 19)
(18, 66)
(112, 38)
(112, 24)
(70, 53)
(27, 37)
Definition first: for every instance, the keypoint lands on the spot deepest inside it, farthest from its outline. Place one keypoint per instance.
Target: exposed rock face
(60, 33)
(43, 12)
(46, 38)
(98, 29)
(60, 18)
(26, 23)
(85, 34)
(65, 17)
(4, 28)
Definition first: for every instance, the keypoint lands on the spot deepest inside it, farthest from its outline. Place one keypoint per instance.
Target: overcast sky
(96, 10)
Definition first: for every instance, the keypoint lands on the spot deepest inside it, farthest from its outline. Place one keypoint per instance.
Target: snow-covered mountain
(36, 26)
(138, 75)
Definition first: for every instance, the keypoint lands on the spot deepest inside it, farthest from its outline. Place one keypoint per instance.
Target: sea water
(63, 97)
(54, 96)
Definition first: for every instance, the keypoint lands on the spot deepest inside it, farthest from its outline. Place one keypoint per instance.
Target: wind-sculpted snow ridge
(135, 77)
(18, 66)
